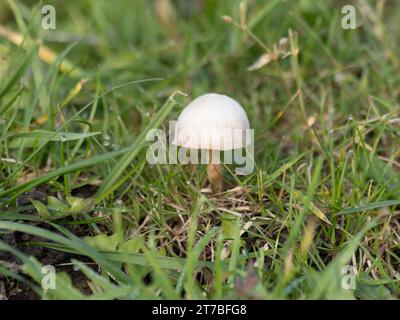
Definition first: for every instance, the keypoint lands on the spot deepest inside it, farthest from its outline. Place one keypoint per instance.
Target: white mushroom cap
(214, 122)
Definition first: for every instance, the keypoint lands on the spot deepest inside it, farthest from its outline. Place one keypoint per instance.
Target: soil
(14, 290)
(11, 289)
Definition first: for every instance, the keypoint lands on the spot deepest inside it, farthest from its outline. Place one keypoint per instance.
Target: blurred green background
(324, 103)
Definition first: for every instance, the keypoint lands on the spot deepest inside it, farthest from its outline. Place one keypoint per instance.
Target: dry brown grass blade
(45, 54)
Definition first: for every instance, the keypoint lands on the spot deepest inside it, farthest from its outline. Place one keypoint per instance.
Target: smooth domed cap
(214, 122)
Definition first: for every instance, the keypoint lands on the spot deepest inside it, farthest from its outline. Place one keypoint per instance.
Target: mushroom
(212, 122)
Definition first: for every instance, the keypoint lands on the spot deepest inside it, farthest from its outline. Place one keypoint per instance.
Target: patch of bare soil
(11, 289)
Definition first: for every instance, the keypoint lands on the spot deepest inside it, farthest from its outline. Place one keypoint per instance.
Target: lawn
(84, 215)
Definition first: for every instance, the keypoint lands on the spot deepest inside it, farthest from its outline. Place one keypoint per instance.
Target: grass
(77, 102)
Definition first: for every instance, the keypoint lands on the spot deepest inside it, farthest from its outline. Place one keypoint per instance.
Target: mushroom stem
(215, 175)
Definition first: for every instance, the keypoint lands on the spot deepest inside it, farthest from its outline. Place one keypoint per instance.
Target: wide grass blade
(132, 151)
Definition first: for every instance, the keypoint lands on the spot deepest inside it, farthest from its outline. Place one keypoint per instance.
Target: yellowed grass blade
(45, 54)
